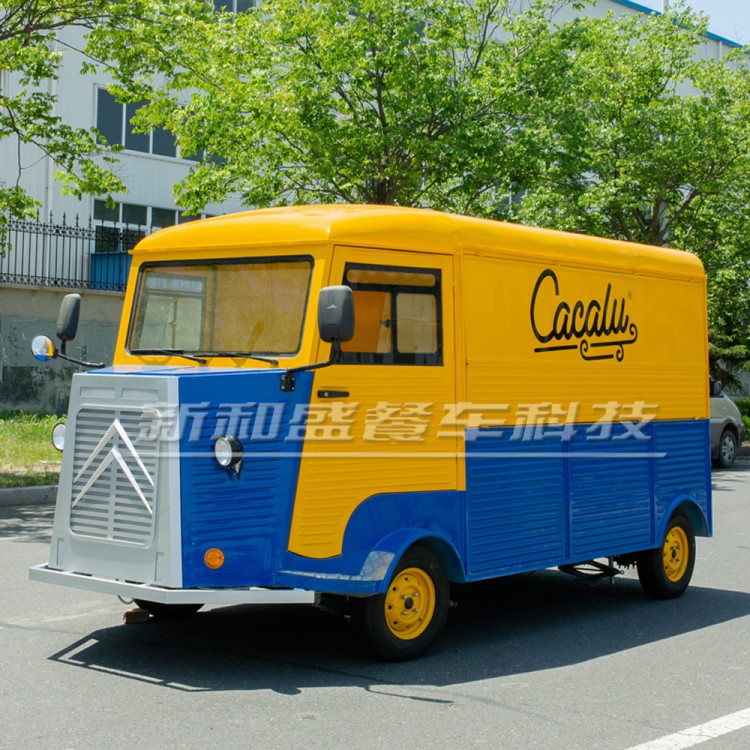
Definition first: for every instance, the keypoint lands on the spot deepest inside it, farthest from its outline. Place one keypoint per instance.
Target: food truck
(365, 404)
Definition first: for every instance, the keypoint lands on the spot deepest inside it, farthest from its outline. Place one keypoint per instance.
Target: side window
(397, 316)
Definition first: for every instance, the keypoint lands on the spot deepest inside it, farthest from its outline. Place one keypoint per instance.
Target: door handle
(325, 393)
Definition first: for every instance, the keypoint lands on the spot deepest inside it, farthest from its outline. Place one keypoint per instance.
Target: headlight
(58, 435)
(228, 452)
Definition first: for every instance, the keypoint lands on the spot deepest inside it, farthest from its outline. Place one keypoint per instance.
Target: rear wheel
(404, 621)
(665, 572)
(168, 611)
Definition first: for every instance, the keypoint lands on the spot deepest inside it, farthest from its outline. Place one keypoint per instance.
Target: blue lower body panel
(562, 498)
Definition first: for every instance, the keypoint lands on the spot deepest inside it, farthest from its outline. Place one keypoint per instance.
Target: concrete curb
(42, 495)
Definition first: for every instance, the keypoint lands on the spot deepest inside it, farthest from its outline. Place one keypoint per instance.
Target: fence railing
(75, 256)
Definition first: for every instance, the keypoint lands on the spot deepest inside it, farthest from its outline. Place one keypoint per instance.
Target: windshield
(238, 307)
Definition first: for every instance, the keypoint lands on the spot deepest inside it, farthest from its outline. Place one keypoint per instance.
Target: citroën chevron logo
(116, 450)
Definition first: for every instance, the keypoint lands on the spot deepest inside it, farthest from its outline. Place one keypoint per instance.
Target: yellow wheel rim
(675, 554)
(410, 604)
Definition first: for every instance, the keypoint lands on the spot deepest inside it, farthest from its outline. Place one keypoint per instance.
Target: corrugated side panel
(685, 469)
(515, 494)
(603, 491)
(246, 515)
(609, 493)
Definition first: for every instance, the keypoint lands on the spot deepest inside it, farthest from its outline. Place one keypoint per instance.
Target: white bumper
(163, 595)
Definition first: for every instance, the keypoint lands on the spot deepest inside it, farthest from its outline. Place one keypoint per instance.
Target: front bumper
(248, 595)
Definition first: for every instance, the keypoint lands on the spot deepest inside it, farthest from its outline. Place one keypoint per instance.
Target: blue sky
(729, 18)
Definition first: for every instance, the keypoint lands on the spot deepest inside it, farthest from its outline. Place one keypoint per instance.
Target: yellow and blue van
(367, 404)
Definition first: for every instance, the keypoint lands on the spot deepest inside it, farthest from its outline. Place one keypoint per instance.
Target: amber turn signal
(214, 558)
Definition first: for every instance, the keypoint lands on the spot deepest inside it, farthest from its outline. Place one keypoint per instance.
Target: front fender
(398, 542)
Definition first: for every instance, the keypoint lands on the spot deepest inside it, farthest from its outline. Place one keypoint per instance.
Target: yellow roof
(414, 229)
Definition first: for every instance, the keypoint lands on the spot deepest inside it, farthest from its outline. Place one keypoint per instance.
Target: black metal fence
(75, 256)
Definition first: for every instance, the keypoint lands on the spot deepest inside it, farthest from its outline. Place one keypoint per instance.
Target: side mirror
(336, 314)
(716, 388)
(43, 349)
(335, 324)
(67, 318)
(67, 326)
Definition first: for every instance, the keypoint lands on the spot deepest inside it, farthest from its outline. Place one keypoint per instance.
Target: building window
(112, 237)
(162, 217)
(134, 215)
(109, 117)
(233, 6)
(113, 120)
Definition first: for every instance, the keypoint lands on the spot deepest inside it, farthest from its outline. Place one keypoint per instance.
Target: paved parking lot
(539, 661)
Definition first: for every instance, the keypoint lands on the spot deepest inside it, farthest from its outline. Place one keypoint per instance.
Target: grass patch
(27, 456)
(10, 481)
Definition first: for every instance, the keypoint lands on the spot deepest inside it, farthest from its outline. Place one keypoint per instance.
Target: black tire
(168, 611)
(403, 632)
(665, 572)
(727, 449)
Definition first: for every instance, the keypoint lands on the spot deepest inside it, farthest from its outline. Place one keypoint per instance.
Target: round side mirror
(43, 349)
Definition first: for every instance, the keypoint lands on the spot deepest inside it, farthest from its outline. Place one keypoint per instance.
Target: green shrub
(27, 456)
(744, 407)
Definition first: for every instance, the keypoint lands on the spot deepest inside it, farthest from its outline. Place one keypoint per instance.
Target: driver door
(374, 422)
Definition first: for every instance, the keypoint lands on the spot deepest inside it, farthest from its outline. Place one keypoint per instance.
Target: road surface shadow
(31, 524)
(501, 628)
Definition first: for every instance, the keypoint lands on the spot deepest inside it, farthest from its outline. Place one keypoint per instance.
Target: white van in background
(727, 427)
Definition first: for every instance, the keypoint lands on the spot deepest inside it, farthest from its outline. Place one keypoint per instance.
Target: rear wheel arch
(694, 514)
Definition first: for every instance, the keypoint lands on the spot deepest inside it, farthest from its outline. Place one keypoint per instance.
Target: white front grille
(114, 474)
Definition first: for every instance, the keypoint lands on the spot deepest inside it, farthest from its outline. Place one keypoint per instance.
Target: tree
(425, 102)
(652, 145)
(31, 54)
(612, 126)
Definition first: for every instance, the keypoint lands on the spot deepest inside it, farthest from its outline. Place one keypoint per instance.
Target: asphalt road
(541, 661)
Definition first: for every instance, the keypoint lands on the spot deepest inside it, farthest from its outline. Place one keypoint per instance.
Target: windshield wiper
(170, 352)
(246, 355)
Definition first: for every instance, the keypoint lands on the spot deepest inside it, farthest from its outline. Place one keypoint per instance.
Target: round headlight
(58, 435)
(228, 451)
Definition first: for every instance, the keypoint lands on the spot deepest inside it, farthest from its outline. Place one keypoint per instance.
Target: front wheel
(404, 621)
(665, 572)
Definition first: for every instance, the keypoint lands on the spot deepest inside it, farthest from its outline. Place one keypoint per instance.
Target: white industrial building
(150, 165)
(83, 244)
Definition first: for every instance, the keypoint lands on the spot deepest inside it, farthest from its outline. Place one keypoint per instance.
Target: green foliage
(651, 144)
(617, 126)
(613, 126)
(364, 101)
(744, 407)
(27, 456)
(30, 54)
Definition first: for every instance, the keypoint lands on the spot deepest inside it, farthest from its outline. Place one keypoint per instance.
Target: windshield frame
(147, 266)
